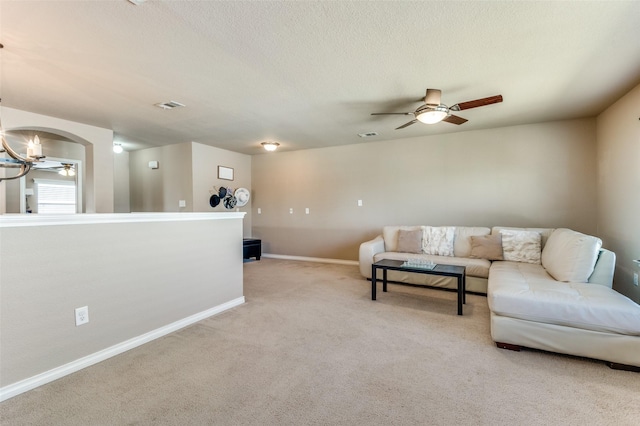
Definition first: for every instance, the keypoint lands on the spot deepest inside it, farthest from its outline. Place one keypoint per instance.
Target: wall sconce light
(270, 146)
(117, 148)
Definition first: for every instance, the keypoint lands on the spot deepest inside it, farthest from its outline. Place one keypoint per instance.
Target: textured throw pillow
(486, 247)
(521, 246)
(410, 241)
(438, 240)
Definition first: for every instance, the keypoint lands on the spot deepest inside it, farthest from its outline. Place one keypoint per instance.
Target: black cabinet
(251, 247)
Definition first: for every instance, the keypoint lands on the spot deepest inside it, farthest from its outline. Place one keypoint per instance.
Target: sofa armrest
(368, 249)
(603, 271)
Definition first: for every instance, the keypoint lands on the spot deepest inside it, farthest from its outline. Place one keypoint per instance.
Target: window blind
(56, 197)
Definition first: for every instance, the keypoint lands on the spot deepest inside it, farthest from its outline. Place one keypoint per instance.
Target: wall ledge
(25, 385)
(19, 220)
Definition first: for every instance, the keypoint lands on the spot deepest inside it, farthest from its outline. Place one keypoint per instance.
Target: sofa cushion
(475, 267)
(410, 241)
(570, 256)
(438, 240)
(521, 246)
(526, 291)
(486, 247)
(390, 235)
(462, 240)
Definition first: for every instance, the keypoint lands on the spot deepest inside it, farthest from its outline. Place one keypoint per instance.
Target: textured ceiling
(308, 74)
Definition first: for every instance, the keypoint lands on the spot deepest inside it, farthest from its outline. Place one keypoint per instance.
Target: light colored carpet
(311, 347)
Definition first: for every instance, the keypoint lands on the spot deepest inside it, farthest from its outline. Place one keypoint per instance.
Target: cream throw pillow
(486, 247)
(521, 246)
(570, 256)
(438, 240)
(410, 241)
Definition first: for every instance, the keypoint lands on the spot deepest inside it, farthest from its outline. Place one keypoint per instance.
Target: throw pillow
(487, 247)
(521, 246)
(438, 240)
(410, 241)
(570, 256)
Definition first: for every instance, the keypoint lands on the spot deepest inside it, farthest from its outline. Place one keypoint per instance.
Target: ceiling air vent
(169, 105)
(367, 135)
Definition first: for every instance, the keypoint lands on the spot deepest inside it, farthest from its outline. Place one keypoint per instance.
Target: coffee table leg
(464, 288)
(384, 279)
(460, 293)
(373, 282)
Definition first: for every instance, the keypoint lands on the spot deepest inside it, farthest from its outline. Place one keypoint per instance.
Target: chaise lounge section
(565, 303)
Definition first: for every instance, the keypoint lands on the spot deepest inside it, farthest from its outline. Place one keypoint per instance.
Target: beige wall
(188, 171)
(618, 137)
(160, 190)
(121, 191)
(98, 143)
(532, 175)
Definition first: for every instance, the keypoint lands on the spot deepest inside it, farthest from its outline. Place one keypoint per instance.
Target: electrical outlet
(359, 203)
(291, 211)
(182, 203)
(82, 315)
(635, 278)
(306, 210)
(259, 210)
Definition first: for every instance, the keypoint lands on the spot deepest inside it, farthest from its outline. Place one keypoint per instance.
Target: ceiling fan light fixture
(67, 171)
(433, 115)
(270, 146)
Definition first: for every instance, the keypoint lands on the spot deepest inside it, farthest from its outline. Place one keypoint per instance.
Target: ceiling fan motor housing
(433, 97)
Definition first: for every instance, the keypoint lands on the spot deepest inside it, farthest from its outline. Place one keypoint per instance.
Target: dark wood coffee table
(455, 271)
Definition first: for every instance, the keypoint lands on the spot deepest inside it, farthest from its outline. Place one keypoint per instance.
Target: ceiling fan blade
(433, 97)
(406, 124)
(454, 119)
(392, 113)
(477, 103)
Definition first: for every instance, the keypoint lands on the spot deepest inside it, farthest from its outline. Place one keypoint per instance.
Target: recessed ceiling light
(368, 134)
(169, 105)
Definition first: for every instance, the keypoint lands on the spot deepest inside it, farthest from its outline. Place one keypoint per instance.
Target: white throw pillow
(438, 240)
(570, 256)
(521, 246)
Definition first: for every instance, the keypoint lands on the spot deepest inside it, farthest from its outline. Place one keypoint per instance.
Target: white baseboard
(25, 385)
(311, 259)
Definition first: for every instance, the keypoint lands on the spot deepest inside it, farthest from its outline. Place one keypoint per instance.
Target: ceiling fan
(64, 169)
(433, 111)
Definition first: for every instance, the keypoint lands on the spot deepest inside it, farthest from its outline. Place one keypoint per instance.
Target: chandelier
(17, 161)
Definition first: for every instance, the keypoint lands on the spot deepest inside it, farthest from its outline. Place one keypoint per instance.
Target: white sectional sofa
(553, 294)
